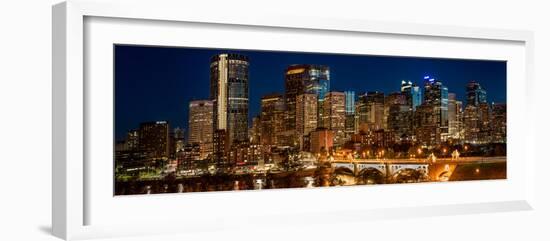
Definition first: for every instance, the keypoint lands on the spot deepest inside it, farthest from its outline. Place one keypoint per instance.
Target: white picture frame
(71, 188)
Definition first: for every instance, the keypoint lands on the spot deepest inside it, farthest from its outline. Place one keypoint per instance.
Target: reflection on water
(309, 178)
(244, 182)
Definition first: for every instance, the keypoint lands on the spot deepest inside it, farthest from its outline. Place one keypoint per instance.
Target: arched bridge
(440, 169)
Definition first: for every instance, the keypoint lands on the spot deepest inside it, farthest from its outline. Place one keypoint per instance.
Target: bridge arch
(362, 166)
(409, 175)
(371, 175)
(343, 170)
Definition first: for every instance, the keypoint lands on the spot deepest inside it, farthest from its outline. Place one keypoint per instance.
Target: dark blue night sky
(157, 83)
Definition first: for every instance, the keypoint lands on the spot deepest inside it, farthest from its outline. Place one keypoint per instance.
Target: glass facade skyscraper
(413, 93)
(437, 97)
(272, 118)
(350, 113)
(229, 93)
(306, 116)
(304, 79)
(350, 102)
(334, 117)
(475, 94)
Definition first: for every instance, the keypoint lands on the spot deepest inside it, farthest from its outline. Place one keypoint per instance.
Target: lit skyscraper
(437, 96)
(375, 110)
(455, 117)
(179, 139)
(472, 124)
(485, 123)
(201, 125)
(475, 94)
(272, 119)
(306, 116)
(255, 131)
(361, 112)
(498, 122)
(477, 128)
(229, 93)
(425, 125)
(200, 121)
(398, 115)
(334, 117)
(304, 79)
(154, 139)
(132, 140)
(350, 114)
(413, 93)
(350, 102)
(370, 111)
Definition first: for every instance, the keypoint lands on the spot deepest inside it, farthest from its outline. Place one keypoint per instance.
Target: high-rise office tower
(306, 116)
(498, 122)
(398, 115)
(425, 125)
(304, 79)
(350, 114)
(334, 117)
(375, 110)
(200, 121)
(412, 92)
(272, 119)
(179, 139)
(201, 127)
(132, 140)
(472, 124)
(477, 125)
(454, 117)
(255, 131)
(361, 113)
(393, 99)
(437, 96)
(154, 139)
(350, 101)
(475, 94)
(229, 93)
(370, 111)
(485, 122)
(477, 121)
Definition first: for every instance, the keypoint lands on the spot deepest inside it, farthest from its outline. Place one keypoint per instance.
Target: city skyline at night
(200, 120)
(171, 77)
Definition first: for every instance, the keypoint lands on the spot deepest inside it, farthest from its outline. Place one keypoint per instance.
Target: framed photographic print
(180, 121)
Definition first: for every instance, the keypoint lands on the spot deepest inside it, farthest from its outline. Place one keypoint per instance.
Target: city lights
(307, 130)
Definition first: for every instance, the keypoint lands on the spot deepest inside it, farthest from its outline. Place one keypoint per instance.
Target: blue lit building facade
(304, 79)
(350, 102)
(437, 97)
(413, 93)
(475, 94)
